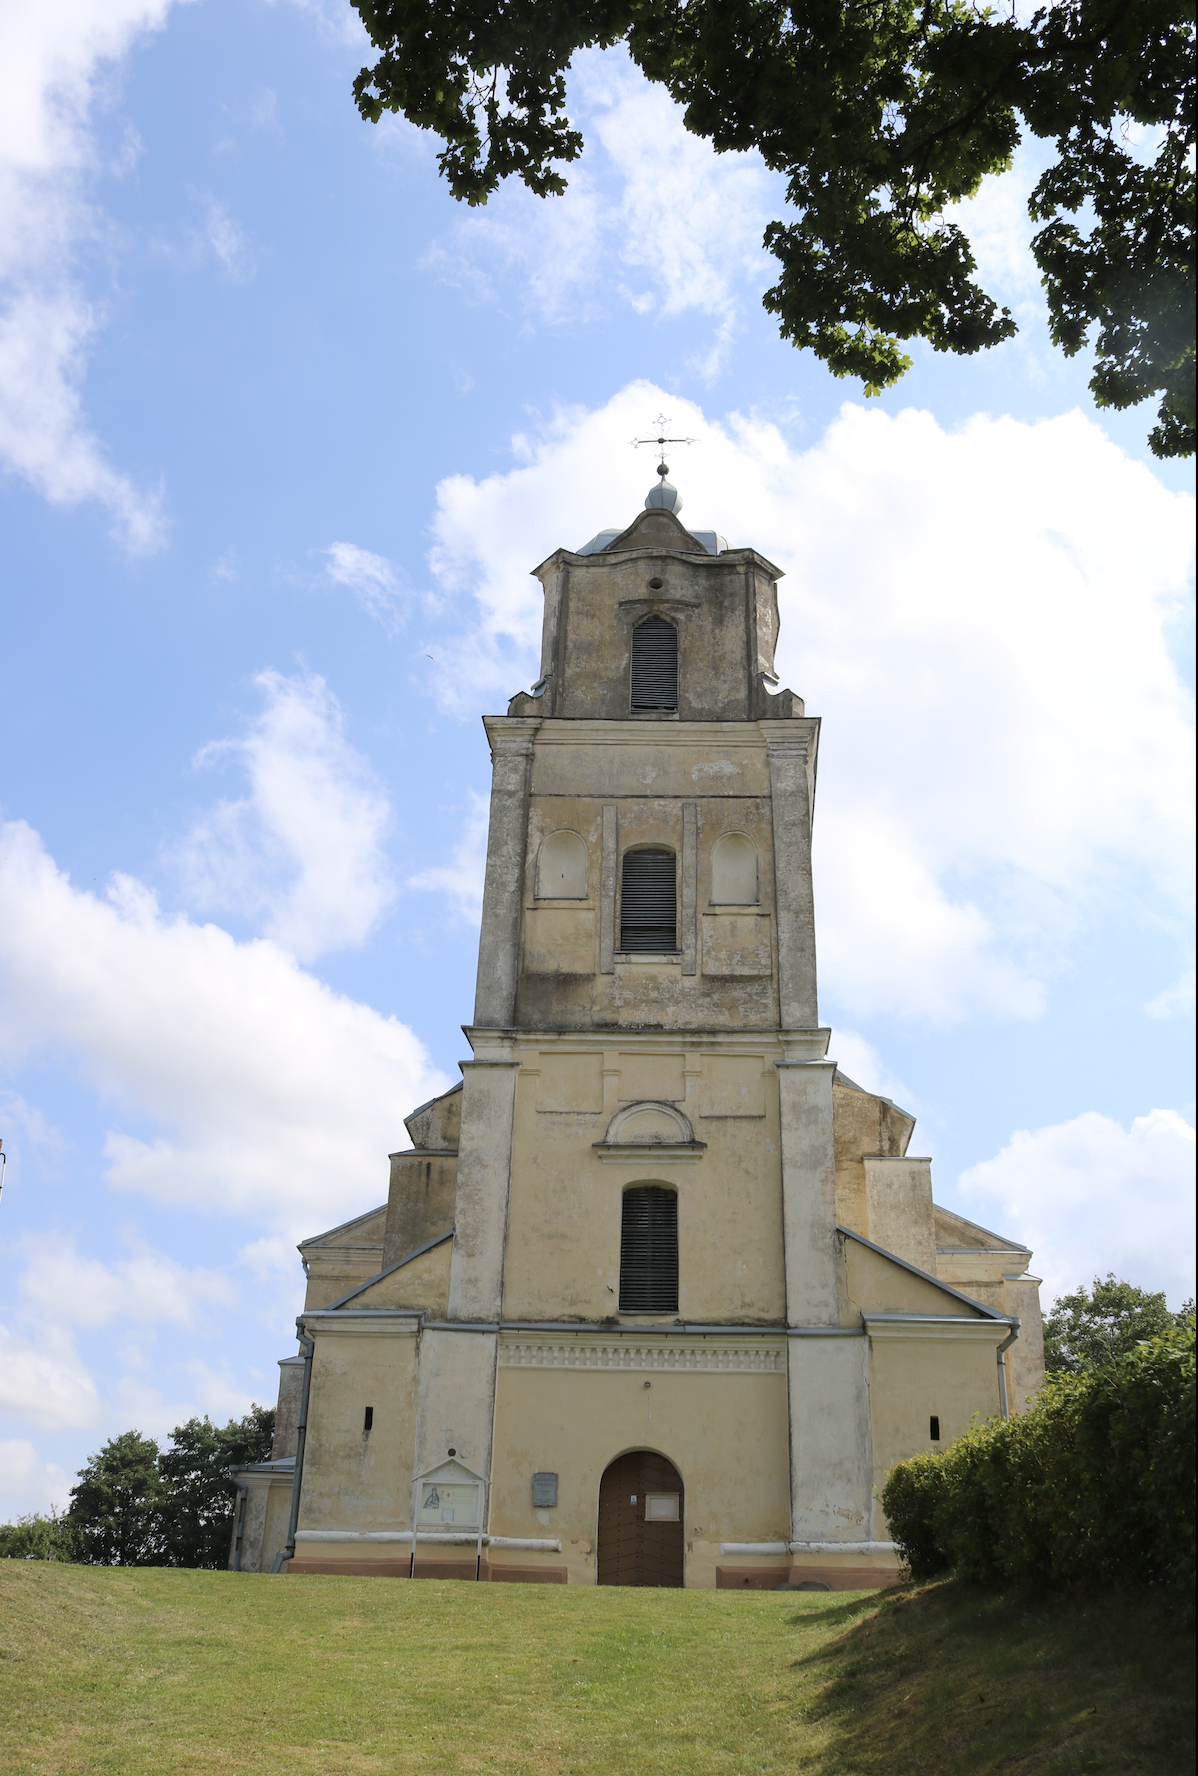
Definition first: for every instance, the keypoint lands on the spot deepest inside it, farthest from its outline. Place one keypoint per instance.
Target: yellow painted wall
(422, 1283)
(726, 1435)
(563, 1240)
(352, 1479)
(909, 1380)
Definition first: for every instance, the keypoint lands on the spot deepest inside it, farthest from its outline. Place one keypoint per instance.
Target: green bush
(1094, 1484)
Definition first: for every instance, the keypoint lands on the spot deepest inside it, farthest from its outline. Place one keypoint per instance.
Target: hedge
(1094, 1484)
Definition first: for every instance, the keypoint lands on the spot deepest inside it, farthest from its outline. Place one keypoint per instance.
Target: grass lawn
(167, 1672)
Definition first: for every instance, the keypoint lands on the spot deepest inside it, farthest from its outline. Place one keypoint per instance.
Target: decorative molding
(684, 1134)
(935, 1326)
(656, 1153)
(760, 1357)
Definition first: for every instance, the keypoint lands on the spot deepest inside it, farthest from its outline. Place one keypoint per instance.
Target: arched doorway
(641, 1521)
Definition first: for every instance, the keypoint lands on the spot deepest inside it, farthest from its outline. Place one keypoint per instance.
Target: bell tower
(648, 936)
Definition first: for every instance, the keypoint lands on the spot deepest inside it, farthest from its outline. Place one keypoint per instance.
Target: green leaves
(1092, 1328)
(881, 114)
(135, 1506)
(1094, 1484)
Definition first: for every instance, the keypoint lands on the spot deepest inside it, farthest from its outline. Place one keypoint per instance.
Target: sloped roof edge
(398, 1265)
(924, 1276)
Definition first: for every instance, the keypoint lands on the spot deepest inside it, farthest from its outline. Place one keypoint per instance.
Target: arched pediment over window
(562, 867)
(649, 1124)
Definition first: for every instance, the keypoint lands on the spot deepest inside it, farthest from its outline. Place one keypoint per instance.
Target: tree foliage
(39, 1537)
(114, 1508)
(137, 1506)
(1093, 1485)
(196, 1508)
(1093, 1327)
(881, 114)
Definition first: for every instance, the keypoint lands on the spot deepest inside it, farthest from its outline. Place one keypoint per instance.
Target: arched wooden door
(641, 1521)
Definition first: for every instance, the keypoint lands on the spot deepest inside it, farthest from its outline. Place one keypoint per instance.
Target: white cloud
(865, 1067)
(54, 58)
(371, 579)
(303, 851)
(1176, 1000)
(228, 242)
(652, 217)
(27, 1483)
(1006, 750)
(23, 1129)
(43, 1379)
(274, 1098)
(461, 880)
(1089, 1196)
(61, 1284)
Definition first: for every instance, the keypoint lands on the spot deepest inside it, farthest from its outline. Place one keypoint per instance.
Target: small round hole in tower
(656, 585)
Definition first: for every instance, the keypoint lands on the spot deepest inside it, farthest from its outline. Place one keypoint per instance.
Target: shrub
(37, 1537)
(1094, 1484)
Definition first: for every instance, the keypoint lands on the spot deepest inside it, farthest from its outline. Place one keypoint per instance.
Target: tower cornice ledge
(726, 558)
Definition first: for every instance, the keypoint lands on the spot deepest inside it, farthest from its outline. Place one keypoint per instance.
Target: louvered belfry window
(655, 665)
(648, 902)
(649, 1251)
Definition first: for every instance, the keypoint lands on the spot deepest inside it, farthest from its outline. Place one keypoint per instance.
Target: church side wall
(912, 1378)
(356, 1479)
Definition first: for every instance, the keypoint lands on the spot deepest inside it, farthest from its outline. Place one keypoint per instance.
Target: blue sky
(283, 431)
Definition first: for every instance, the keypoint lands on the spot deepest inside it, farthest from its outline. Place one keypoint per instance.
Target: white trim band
(807, 1548)
(937, 1326)
(451, 1538)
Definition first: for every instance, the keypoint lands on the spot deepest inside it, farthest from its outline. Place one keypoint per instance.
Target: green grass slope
(166, 1672)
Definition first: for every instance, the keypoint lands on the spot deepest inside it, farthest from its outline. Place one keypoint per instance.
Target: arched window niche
(562, 867)
(655, 666)
(649, 1249)
(734, 871)
(649, 901)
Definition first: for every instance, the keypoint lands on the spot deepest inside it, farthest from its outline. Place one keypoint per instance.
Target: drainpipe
(243, 1492)
(1004, 1409)
(307, 1346)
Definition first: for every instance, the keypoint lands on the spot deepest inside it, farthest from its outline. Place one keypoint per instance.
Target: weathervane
(661, 422)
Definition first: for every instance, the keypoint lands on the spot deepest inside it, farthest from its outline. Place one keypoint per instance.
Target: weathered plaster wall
(913, 1375)
(342, 1259)
(356, 1479)
(899, 1195)
(420, 1204)
(863, 1123)
(563, 1239)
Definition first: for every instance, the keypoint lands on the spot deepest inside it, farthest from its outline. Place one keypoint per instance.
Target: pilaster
(791, 758)
(511, 739)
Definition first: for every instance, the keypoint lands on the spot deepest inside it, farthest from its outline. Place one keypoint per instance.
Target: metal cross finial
(661, 422)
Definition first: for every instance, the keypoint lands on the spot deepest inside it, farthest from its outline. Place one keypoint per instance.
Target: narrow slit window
(649, 1250)
(934, 1429)
(649, 902)
(655, 665)
(368, 1421)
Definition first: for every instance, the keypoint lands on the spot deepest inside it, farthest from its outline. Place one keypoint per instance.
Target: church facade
(658, 1295)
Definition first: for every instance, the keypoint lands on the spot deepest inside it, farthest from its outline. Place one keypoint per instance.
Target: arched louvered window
(655, 665)
(649, 1250)
(648, 901)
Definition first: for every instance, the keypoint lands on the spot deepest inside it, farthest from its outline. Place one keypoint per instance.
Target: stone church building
(658, 1296)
